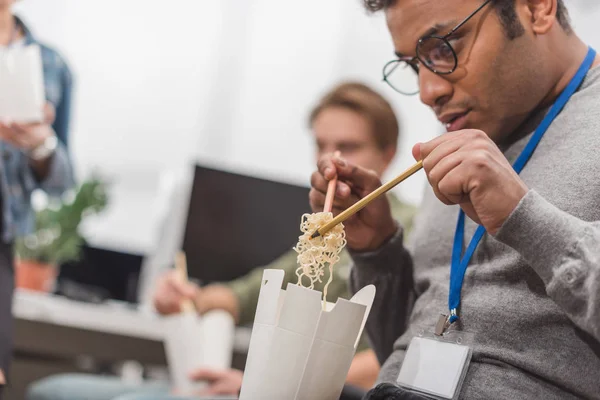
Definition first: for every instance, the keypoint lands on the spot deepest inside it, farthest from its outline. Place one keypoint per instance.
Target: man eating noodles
(507, 244)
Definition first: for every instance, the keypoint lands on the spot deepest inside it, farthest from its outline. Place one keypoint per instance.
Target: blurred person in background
(32, 156)
(58, 79)
(352, 119)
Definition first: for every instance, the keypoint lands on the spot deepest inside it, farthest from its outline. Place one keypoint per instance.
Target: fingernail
(329, 171)
(344, 190)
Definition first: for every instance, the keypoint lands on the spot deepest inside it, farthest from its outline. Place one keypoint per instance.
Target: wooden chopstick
(181, 268)
(331, 190)
(362, 203)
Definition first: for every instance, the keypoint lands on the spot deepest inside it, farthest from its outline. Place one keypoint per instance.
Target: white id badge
(436, 366)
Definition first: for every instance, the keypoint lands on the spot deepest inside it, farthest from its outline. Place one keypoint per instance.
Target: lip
(454, 121)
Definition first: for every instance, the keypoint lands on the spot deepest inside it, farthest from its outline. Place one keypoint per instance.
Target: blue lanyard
(459, 266)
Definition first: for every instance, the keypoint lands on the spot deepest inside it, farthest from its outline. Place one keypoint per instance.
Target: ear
(541, 15)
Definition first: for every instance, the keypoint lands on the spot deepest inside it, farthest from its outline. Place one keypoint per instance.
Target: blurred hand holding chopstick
(181, 268)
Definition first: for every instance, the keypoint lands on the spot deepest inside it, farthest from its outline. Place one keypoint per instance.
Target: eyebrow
(434, 30)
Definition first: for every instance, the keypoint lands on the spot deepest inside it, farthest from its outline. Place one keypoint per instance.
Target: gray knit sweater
(531, 295)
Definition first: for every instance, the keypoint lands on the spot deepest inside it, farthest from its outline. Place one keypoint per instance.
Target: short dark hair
(360, 98)
(504, 8)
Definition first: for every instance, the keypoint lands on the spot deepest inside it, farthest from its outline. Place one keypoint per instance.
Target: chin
(480, 124)
(494, 133)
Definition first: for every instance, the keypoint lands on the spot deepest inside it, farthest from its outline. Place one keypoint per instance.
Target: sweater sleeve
(564, 251)
(390, 270)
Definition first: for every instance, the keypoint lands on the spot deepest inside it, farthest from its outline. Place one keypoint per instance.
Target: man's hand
(370, 227)
(220, 382)
(467, 168)
(171, 291)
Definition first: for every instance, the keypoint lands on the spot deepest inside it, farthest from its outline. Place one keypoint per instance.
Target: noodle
(315, 254)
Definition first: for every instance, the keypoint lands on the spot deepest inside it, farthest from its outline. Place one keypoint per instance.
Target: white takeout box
(297, 350)
(22, 94)
(193, 342)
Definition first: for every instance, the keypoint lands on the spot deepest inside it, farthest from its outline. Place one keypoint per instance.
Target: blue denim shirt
(18, 180)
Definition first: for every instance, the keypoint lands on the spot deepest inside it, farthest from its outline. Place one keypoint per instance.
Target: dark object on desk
(81, 292)
(387, 391)
(350, 392)
(103, 274)
(236, 223)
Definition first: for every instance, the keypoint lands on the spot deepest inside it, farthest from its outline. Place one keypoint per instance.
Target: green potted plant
(56, 238)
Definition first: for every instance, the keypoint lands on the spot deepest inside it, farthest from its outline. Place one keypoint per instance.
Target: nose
(435, 90)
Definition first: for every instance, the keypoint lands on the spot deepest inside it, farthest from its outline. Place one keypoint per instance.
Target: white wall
(228, 83)
(143, 70)
(585, 15)
(285, 74)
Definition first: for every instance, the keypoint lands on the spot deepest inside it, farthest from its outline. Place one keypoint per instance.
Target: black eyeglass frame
(412, 62)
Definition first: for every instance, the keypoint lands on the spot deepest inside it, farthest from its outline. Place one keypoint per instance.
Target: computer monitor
(237, 222)
(100, 274)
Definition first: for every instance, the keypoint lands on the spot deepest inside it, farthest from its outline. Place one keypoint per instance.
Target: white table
(55, 331)
(111, 318)
(115, 318)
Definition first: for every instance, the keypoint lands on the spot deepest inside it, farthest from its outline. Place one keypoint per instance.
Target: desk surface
(51, 332)
(114, 318)
(111, 318)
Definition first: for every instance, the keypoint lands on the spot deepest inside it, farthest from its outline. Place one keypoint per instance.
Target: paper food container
(22, 94)
(193, 342)
(297, 350)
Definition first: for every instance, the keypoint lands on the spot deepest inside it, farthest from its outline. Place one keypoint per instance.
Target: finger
(49, 113)
(317, 200)
(5, 131)
(13, 137)
(166, 300)
(340, 205)
(225, 388)
(443, 150)
(178, 284)
(169, 294)
(416, 152)
(361, 179)
(427, 147)
(319, 183)
(440, 171)
(205, 374)
(228, 382)
(182, 288)
(452, 187)
(334, 166)
(342, 190)
(18, 128)
(20, 134)
(457, 180)
(326, 167)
